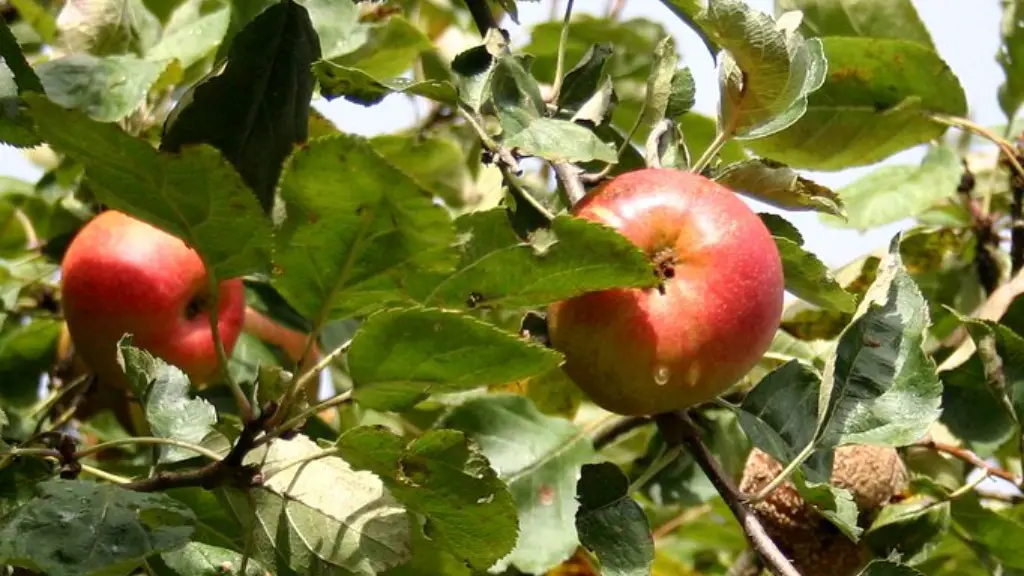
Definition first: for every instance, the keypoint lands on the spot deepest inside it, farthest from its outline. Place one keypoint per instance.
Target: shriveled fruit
(872, 474)
(710, 319)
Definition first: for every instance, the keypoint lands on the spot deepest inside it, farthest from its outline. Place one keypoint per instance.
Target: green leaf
(257, 109)
(908, 527)
(337, 26)
(194, 195)
(879, 386)
(390, 49)
(216, 523)
(82, 528)
(26, 352)
(441, 475)
(348, 254)
(436, 163)
(888, 568)
(192, 34)
(540, 458)
(474, 72)
(897, 19)
(766, 69)
(875, 102)
(1011, 57)
(105, 27)
(780, 227)
(428, 558)
(551, 139)
(573, 257)
(314, 514)
(16, 78)
(778, 415)
(197, 559)
(999, 534)
(611, 524)
(586, 77)
(779, 185)
(892, 193)
(169, 409)
(398, 357)
(972, 407)
(1000, 351)
(42, 21)
(659, 87)
(834, 503)
(683, 95)
(107, 89)
(810, 280)
(362, 88)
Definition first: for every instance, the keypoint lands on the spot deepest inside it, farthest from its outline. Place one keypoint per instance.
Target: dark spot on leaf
(414, 470)
(475, 298)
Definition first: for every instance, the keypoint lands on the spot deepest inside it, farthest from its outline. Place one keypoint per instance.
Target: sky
(967, 38)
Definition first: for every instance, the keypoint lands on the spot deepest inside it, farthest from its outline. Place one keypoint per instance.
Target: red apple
(121, 275)
(714, 314)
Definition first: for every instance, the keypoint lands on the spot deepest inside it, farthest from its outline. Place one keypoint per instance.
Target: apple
(121, 275)
(709, 320)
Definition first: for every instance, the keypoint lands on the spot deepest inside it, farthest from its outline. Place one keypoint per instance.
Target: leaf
(879, 386)
(611, 524)
(888, 568)
(540, 459)
(107, 89)
(474, 72)
(973, 409)
(551, 139)
(469, 511)
(164, 390)
(196, 559)
(436, 163)
(194, 195)
(766, 68)
(1011, 57)
(105, 27)
(777, 184)
(26, 352)
(361, 88)
(497, 269)
(997, 533)
(780, 227)
(1000, 351)
(834, 503)
(316, 515)
(256, 110)
(192, 34)
(810, 280)
(908, 527)
(897, 19)
(660, 86)
(586, 77)
(683, 95)
(82, 528)
(390, 49)
(398, 357)
(779, 414)
(16, 78)
(337, 25)
(892, 193)
(344, 255)
(427, 558)
(875, 102)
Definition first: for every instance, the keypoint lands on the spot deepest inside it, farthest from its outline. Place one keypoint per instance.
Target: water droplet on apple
(661, 375)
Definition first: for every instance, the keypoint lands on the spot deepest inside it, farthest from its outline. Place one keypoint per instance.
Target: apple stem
(678, 429)
(244, 407)
(104, 475)
(302, 379)
(563, 42)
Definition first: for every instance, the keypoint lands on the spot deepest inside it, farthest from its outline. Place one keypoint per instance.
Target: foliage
(420, 263)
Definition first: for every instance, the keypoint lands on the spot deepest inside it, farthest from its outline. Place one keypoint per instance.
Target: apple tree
(538, 331)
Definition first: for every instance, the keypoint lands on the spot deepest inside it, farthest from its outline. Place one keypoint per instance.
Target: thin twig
(563, 41)
(971, 458)
(148, 441)
(569, 176)
(678, 428)
(104, 475)
(244, 407)
(302, 416)
(685, 517)
(1003, 143)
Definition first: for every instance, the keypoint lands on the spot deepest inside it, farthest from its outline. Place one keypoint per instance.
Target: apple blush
(713, 314)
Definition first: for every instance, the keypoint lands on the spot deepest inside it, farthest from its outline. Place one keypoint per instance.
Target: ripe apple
(709, 321)
(121, 275)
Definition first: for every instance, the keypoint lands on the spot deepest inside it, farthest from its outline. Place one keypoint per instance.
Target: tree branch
(229, 470)
(678, 428)
(1017, 215)
(971, 458)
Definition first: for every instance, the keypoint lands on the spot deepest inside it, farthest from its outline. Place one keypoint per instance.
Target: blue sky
(966, 33)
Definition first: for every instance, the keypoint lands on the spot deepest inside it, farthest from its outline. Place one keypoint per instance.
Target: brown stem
(971, 458)
(1017, 216)
(985, 264)
(622, 427)
(678, 428)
